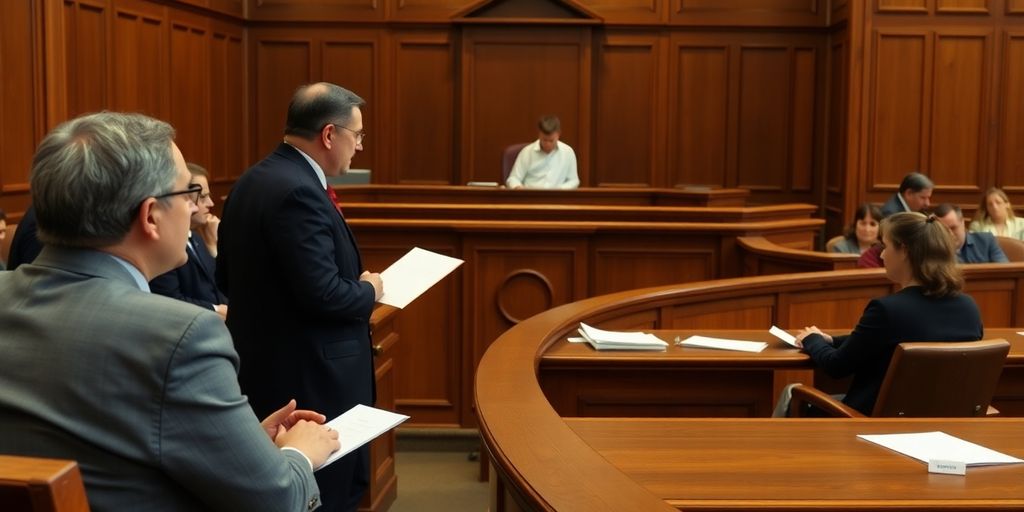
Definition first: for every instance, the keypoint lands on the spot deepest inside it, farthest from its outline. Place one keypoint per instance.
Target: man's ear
(327, 134)
(148, 218)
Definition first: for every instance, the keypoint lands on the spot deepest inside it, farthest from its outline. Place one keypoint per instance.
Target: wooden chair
(508, 159)
(1013, 248)
(832, 242)
(31, 484)
(925, 380)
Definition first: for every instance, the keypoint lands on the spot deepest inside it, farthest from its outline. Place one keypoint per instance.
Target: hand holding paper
(414, 274)
(360, 425)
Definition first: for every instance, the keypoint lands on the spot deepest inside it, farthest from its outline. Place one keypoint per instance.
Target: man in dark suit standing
(194, 281)
(300, 299)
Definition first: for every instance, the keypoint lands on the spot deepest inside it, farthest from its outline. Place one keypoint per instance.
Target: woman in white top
(995, 215)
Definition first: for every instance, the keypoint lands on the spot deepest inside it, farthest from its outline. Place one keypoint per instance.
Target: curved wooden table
(545, 462)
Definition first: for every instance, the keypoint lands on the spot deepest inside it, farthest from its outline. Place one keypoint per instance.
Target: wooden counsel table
(701, 382)
(806, 464)
(544, 460)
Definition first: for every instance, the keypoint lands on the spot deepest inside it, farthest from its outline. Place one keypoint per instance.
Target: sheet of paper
(360, 425)
(783, 335)
(414, 274)
(601, 335)
(723, 344)
(1021, 333)
(925, 446)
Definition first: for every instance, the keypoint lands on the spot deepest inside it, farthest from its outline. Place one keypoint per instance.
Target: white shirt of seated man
(545, 163)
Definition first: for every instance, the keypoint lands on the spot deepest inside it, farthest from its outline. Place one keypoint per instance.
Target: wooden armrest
(804, 395)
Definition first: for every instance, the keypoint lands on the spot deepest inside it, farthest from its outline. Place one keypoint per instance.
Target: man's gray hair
(90, 174)
(916, 182)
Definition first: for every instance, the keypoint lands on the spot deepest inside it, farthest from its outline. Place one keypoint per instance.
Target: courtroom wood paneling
(826, 308)
(897, 98)
(959, 107)
(1015, 6)
(190, 96)
(750, 12)
(629, 94)
(746, 112)
(424, 96)
(139, 64)
(716, 313)
(86, 34)
(901, 6)
(350, 58)
(281, 64)
(643, 261)
(228, 118)
(997, 300)
(699, 127)
(836, 168)
(617, 12)
(1010, 155)
(963, 6)
(315, 10)
(505, 88)
(20, 94)
(424, 10)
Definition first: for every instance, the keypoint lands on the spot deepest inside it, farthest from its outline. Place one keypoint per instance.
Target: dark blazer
(25, 245)
(893, 205)
(140, 389)
(299, 314)
(192, 282)
(979, 248)
(888, 321)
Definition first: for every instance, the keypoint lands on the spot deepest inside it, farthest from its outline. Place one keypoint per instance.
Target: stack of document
(613, 340)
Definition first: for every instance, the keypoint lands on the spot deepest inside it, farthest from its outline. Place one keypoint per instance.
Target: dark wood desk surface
(805, 464)
(778, 354)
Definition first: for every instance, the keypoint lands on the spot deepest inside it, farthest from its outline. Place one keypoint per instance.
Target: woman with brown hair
(920, 256)
(995, 215)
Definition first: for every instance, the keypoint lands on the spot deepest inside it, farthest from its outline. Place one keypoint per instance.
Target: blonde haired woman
(995, 215)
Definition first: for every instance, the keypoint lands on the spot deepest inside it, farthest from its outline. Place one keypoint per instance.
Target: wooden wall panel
(20, 90)
(750, 12)
(628, 100)
(500, 106)
(764, 115)
(804, 121)
(901, 6)
(1015, 6)
(424, 96)
(424, 10)
(139, 63)
(650, 262)
(963, 6)
(1009, 171)
(281, 66)
(315, 10)
(630, 11)
(350, 59)
(228, 113)
(86, 34)
(190, 94)
(897, 100)
(699, 136)
(959, 104)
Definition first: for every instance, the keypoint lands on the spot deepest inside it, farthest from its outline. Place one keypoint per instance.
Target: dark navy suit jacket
(299, 313)
(978, 248)
(908, 315)
(893, 205)
(194, 281)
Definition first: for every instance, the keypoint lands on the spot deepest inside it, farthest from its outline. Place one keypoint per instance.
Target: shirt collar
(137, 276)
(904, 203)
(316, 167)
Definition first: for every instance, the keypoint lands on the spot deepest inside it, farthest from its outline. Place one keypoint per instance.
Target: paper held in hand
(614, 340)
(360, 425)
(414, 274)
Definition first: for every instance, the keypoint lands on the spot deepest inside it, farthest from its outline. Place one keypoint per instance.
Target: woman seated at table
(919, 255)
(995, 215)
(862, 233)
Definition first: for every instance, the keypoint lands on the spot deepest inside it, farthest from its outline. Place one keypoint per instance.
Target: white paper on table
(414, 274)
(723, 344)
(925, 446)
(783, 335)
(1021, 333)
(601, 335)
(360, 425)
(576, 339)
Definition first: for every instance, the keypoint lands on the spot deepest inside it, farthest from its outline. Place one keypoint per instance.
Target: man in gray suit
(140, 389)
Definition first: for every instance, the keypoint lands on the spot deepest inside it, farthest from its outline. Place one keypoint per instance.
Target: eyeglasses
(360, 135)
(195, 190)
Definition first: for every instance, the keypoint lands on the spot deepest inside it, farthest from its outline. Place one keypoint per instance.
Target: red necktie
(334, 199)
